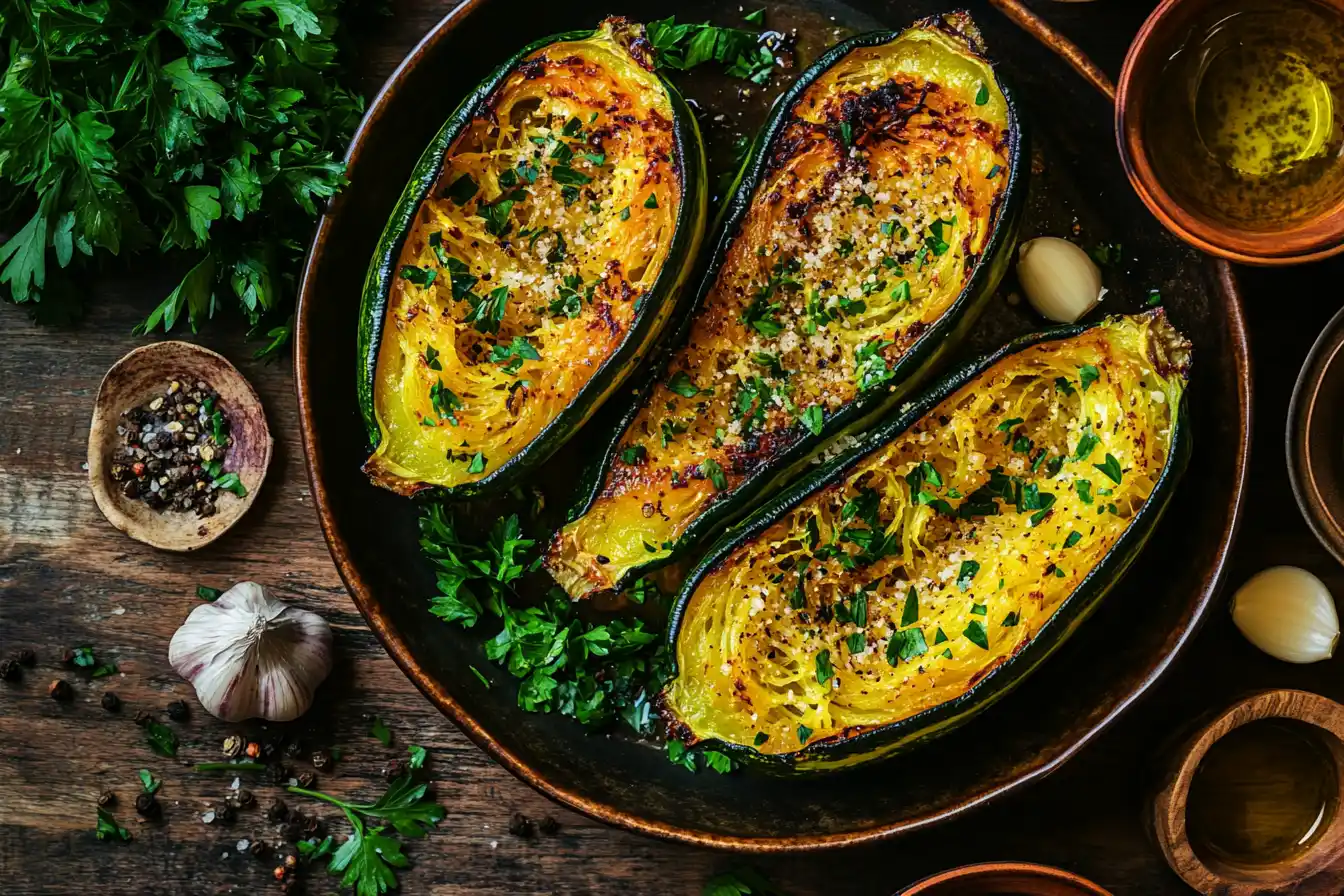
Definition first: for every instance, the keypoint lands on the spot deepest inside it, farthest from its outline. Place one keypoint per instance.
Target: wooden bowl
(1076, 182)
(999, 878)
(1308, 874)
(140, 376)
(1311, 239)
(1315, 438)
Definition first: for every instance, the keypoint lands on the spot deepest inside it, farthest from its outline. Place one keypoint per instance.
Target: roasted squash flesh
(922, 566)
(876, 200)
(529, 264)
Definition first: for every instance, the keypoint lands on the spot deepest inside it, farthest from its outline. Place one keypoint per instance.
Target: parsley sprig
(367, 859)
(211, 127)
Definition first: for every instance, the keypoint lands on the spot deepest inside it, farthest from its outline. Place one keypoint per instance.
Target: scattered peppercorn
(69, 656)
(111, 702)
(277, 811)
(225, 813)
(307, 780)
(253, 750)
(261, 850)
(394, 769)
(10, 670)
(178, 712)
(143, 717)
(27, 657)
(233, 746)
(172, 450)
(321, 760)
(244, 799)
(276, 773)
(270, 750)
(60, 690)
(549, 826)
(106, 798)
(521, 826)
(147, 805)
(294, 749)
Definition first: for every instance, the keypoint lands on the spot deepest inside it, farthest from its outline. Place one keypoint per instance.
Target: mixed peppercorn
(172, 451)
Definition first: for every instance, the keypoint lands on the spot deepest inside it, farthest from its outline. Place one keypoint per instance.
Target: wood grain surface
(68, 578)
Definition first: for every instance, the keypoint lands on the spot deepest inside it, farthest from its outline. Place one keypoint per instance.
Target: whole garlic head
(251, 656)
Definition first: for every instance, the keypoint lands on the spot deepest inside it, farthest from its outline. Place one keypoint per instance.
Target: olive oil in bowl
(1263, 794)
(1246, 122)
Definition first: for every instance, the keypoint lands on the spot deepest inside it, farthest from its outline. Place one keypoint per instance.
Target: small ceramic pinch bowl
(1318, 869)
(141, 376)
(1315, 234)
(1315, 438)
(1000, 878)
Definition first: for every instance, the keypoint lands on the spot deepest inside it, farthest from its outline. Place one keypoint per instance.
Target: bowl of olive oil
(1230, 122)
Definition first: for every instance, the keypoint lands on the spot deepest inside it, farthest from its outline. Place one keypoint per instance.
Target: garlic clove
(1288, 613)
(1061, 282)
(251, 656)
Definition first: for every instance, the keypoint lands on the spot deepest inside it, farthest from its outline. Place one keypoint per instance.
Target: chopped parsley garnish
(846, 133)
(755, 18)
(108, 829)
(625, 214)
(651, 202)
(161, 739)
(982, 94)
(633, 454)
(906, 644)
(1084, 489)
(378, 728)
(938, 636)
(1087, 375)
(910, 612)
(966, 573)
(857, 643)
(681, 384)
(871, 365)
(935, 241)
(1106, 253)
(863, 200)
(436, 246)
(975, 632)
(1073, 539)
(804, 733)
(812, 418)
(710, 467)
(1154, 298)
(1087, 443)
(993, 172)
(563, 174)
(462, 189)
(487, 314)
(514, 354)
(1111, 468)
(844, 248)
(497, 217)
(670, 429)
(902, 291)
(1010, 620)
(432, 358)
(824, 670)
(231, 483)
(477, 464)
(979, 610)
(418, 276)
(445, 402)
(1063, 385)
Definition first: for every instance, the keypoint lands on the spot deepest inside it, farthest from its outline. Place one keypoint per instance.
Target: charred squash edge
(931, 348)
(838, 752)
(639, 342)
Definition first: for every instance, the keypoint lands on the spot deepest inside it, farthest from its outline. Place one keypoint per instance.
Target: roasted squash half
(531, 263)
(871, 222)
(913, 580)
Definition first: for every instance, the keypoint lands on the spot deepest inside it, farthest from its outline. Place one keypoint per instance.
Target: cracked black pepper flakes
(147, 806)
(520, 825)
(11, 671)
(60, 690)
(27, 657)
(111, 702)
(178, 712)
(549, 826)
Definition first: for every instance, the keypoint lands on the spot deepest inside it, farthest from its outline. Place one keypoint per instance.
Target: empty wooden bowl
(1315, 233)
(1316, 869)
(139, 377)
(1005, 879)
(1315, 438)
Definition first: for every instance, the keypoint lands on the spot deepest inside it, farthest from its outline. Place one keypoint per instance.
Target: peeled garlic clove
(1289, 614)
(1060, 280)
(251, 656)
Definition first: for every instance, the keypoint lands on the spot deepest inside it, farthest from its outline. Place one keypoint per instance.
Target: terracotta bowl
(140, 376)
(1307, 240)
(1000, 878)
(1315, 438)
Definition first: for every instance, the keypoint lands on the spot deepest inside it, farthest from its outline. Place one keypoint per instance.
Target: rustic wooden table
(67, 578)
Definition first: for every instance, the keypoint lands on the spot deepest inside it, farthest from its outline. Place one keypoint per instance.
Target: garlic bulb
(1060, 281)
(251, 656)
(1288, 613)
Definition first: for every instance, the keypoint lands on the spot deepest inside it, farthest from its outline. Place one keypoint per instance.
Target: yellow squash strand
(550, 223)
(825, 626)
(879, 199)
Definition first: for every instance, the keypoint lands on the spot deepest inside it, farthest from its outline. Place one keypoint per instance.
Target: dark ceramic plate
(1077, 186)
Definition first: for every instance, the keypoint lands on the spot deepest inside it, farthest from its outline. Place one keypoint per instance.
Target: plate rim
(1225, 285)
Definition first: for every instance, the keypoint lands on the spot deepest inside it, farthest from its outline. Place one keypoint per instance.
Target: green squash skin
(897, 737)
(907, 374)
(638, 343)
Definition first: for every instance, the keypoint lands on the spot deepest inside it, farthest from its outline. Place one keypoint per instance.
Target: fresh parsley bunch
(207, 126)
(684, 46)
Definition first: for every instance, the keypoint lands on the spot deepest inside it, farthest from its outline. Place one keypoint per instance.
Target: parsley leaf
(108, 829)
(161, 738)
